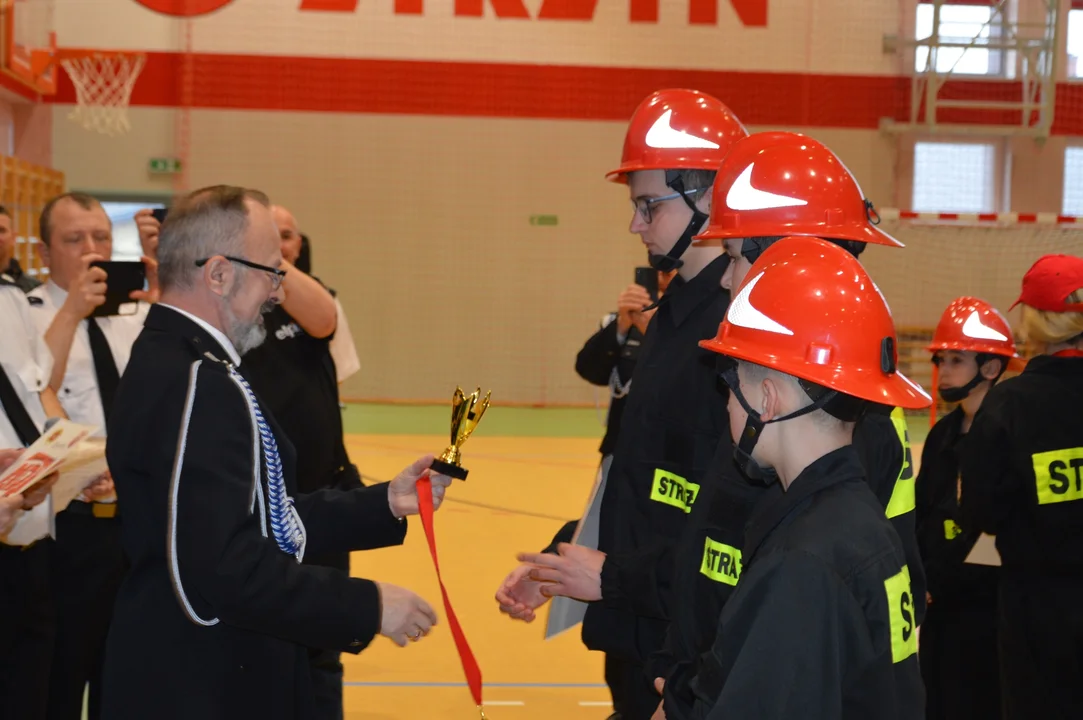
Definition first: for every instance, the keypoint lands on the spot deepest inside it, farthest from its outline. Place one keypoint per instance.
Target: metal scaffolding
(1023, 60)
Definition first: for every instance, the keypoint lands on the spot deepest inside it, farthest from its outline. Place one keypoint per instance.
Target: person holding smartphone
(90, 351)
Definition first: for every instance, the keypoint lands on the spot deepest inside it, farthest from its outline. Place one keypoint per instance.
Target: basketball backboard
(28, 43)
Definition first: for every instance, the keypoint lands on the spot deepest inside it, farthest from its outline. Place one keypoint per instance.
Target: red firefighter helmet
(807, 308)
(975, 325)
(785, 183)
(678, 130)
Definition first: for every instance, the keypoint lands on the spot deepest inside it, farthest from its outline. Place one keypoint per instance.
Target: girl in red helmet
(821, 625)
(972, 347)
(1022, 481)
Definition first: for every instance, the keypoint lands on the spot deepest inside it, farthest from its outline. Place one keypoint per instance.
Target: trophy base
(455, 471)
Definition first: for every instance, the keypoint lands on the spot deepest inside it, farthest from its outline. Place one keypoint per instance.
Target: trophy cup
(464, 418)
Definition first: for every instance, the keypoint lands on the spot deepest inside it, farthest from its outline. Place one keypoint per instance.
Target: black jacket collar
(836, 467)
(684, 296)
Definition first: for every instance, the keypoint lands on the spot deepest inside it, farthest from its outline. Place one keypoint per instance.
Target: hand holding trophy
(465, 416)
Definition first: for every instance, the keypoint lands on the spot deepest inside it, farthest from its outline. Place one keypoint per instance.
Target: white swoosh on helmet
(662, 135)
(742, 196)
(743, 314)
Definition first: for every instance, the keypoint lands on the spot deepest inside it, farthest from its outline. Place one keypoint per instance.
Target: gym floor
(530, 471)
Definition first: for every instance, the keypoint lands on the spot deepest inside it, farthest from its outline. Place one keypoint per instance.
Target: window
(959, 25)
(954, 177)
(1072, 200)
(125, 234)
(1075, 44)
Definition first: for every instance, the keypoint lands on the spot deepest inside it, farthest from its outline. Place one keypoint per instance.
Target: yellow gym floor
(519, 492)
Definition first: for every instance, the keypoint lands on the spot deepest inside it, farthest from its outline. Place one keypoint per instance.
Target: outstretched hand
(519, 595)
(576, 572)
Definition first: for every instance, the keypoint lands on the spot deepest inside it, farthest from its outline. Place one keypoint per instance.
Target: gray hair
(206, 222)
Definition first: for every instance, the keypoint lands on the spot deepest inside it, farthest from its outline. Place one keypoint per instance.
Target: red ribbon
(470, 665)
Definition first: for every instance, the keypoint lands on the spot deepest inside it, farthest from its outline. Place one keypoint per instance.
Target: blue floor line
(462, 684)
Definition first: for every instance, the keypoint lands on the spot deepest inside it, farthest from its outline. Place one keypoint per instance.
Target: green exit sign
(166, 166)
(543, 219)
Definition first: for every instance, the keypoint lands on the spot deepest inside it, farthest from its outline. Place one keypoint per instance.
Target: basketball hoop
(103, 83)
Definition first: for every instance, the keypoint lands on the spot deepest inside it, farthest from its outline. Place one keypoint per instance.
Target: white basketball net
(103, 89)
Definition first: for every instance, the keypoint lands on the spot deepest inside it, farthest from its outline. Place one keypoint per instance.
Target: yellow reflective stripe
(721, 562)
(673, 490)
(902, 496)
(951, 530)
(1058, 475)
(900, 611)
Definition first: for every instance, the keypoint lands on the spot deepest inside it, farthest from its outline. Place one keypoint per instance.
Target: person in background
(1022, 481)
(27, 631)
(972, 347)
(89, 356)
(294, 374)
(9, 265)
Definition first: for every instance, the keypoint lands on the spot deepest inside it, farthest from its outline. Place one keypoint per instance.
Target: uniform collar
(684, 296)
(57, 295)
(173, 318)
(1053, 365)
(836, 467)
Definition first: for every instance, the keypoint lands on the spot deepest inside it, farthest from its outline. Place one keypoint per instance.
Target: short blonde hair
(1050, 328)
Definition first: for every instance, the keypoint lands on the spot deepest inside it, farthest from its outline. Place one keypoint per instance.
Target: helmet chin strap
(751, 468)
(954, 395)
(672, 260)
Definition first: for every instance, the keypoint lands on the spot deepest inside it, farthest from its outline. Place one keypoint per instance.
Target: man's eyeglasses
(644, 205)
(276, 274)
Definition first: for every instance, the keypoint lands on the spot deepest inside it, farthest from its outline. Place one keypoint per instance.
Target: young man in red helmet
(972, 347)
(821, 624)
(674, 143)
(771, 183)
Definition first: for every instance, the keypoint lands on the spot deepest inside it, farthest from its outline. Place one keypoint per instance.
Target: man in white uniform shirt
(89, 355)
(26, 620)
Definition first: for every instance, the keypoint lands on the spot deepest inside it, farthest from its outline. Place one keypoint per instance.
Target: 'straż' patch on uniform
(673, 490)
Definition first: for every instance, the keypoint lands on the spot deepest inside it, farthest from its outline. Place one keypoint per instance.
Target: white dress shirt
(78, 394)
(27, 362)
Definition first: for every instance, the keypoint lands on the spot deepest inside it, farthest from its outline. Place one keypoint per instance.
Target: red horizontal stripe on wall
(352, 85)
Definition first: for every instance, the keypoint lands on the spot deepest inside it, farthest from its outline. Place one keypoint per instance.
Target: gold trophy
(464, 418)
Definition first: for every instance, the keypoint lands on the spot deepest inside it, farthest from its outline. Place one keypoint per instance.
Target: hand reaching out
(519, 595)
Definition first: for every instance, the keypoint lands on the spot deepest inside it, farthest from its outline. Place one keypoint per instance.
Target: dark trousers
(87, 568)
(1041, 649)
(634, 696)
(959, 661)
(326, 665)
(27, 630)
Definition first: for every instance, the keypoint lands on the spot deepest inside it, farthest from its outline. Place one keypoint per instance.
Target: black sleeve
(600, 354)
(794, 639)
(877, 444)
(990, 489)
(347, 520)
(923, 494)
(564, 535)
(225, 561)
(640, 582)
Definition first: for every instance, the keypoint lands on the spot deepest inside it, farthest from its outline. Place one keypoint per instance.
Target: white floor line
(595, 703)
(505, 703)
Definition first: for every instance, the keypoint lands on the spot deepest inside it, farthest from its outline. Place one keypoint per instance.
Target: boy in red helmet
(771, 183)
(822, 621)
(675, 142)
(972, 347)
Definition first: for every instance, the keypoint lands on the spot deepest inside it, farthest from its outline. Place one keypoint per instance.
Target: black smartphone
(122, 277)
(160, 214)
(647, 277)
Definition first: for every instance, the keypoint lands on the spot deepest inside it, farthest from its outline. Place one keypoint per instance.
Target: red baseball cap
(1050, 281)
